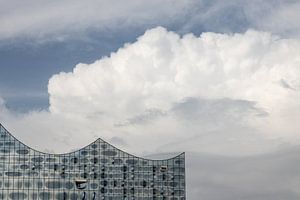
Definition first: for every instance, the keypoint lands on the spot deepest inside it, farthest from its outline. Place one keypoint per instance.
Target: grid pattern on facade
(97, 171)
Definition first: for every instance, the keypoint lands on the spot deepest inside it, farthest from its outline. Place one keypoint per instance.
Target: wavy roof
(98, 141)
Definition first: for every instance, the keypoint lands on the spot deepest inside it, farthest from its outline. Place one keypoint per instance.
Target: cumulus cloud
(223, 91)
(218, 93)
(230, 94)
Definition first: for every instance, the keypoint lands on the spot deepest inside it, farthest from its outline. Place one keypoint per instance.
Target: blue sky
(27, 66)
(30, 57)
(216, 79)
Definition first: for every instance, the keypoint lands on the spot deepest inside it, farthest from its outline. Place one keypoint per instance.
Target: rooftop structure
(97, 171)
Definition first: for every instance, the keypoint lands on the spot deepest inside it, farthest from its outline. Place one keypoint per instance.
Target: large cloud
(218, 93)
(231, 94)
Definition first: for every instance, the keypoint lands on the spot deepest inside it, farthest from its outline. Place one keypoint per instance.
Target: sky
(216, 79)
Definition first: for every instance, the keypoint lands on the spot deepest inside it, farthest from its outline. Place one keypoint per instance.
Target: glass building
(97, 171)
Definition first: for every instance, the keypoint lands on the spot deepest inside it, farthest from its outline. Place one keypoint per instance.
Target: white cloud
(232, 94)
(217, 93)
(133, 93)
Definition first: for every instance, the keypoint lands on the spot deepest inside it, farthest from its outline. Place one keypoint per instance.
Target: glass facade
(97, 171)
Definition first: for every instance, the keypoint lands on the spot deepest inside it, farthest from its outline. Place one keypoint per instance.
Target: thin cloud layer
(273, 176)
(59, 20)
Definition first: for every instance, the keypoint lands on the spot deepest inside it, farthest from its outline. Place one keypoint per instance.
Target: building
(97, 171)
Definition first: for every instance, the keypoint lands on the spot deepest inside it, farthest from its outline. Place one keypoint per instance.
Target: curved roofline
(61, 154)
